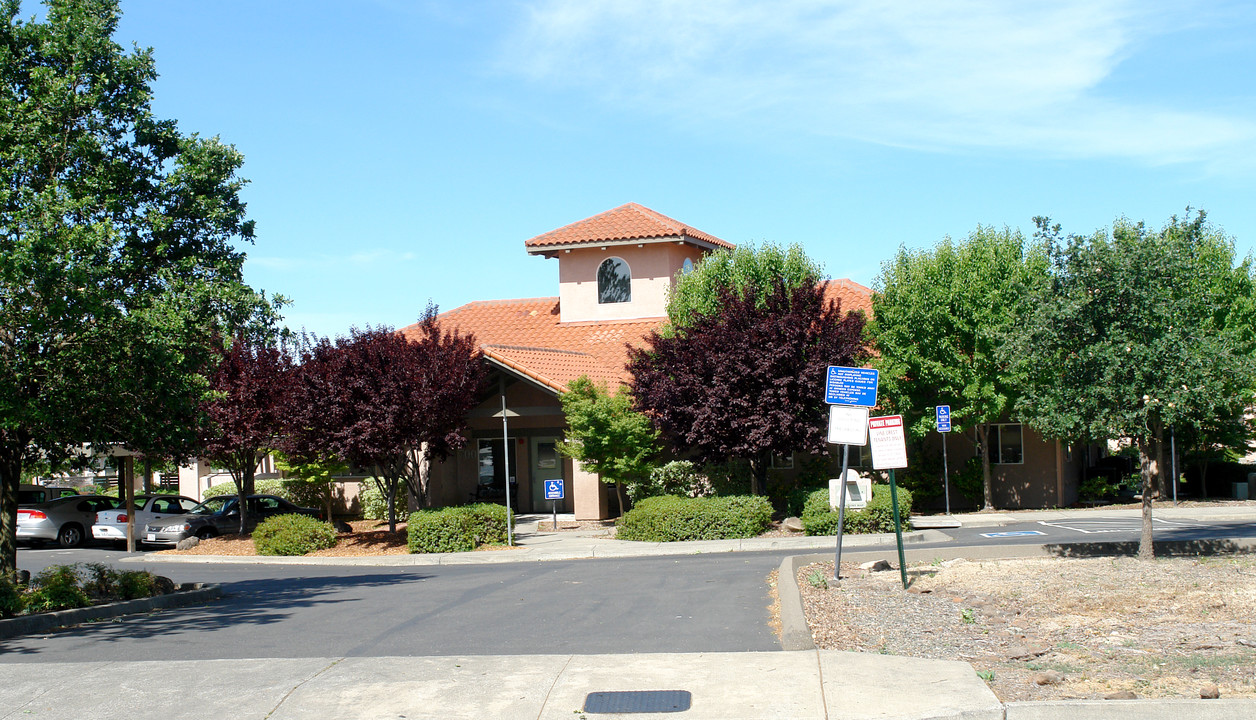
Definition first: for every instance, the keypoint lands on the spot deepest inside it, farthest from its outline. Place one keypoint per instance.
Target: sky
(400, 152)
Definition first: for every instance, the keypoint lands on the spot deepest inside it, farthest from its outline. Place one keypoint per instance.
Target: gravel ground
(1047, 628)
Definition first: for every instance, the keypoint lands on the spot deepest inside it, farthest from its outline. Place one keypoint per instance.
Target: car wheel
(71, 535)
(205, 533)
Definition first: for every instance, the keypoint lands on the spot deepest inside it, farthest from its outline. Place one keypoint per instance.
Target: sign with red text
(888, 442)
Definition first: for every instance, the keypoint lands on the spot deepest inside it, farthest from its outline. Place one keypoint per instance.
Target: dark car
(67, 520)
(219, 516)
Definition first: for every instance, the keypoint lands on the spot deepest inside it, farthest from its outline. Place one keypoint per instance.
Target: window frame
(995, 439)
(602, 288)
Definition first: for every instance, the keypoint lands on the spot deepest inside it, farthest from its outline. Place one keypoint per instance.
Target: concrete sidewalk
(804, 685)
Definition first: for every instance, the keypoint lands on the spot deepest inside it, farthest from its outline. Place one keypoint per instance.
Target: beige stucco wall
(653, 267)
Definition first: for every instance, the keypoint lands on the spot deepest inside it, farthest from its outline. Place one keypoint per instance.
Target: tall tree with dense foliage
(940, 317)
(119, 263)
(607, 435)
(746, 271)
(381, 401)
(744, 376)
(244, 411)
(1138, 331)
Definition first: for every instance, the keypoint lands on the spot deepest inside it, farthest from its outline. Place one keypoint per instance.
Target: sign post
(554, 492)
(889, 451)
(944, 427)
(850, 391)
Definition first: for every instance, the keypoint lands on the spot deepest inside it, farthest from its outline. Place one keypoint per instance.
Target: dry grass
(1166, 628)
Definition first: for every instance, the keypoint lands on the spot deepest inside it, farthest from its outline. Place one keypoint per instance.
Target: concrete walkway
(795, 683)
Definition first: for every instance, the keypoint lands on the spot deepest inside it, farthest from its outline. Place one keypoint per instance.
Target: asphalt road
(701, 603)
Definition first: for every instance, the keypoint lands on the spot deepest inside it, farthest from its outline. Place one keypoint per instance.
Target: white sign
(848, 425)
(889, 444)
(858, 491)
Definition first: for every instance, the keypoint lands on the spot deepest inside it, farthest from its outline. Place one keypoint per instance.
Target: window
(686, 267)
(614, 281)
(1006, 444)
(782, 462)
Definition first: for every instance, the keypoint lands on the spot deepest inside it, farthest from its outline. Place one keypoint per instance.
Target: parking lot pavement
(1098, 525)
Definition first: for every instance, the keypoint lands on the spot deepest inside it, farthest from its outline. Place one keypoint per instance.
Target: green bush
(678, 477)
(292, 535)
(457, 529)
(133, 584)
(10, 598)
(669, 518)
(56, 587)
(876, 517)
(374, 504)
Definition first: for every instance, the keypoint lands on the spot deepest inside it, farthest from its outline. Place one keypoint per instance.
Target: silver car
(111, 524)
(66, 520)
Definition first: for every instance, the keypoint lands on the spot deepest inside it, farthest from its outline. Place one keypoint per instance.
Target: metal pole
(510, 530)
(554, 504)
(841, 515)
(946, 476)
(1173, 461)
(898, 530)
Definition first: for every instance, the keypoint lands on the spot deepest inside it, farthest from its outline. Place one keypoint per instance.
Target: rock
(188, 543)
(164, 585)
(792, 524)
(1122, 695)
(875, 566)
(917, 590)
(1245, 642)
(1048, 677)
(1209, 692)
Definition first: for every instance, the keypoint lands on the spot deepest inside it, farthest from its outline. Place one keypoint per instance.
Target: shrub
(669, 518)
(374, 504)
(133, 584)
(440, 531)
(876, 517)
(457, 529)
(10, 598)
(56, 587)
(293, 535)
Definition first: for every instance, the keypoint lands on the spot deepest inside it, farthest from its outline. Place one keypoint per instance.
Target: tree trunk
(987, 486)
(759, 473)
(126, 493)
(10, 480)
(1146, 549)
(619, 494)
(1203, 478)
(148, 475)
(243, 490)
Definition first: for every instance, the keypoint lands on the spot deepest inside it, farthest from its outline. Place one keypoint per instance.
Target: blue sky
(404, 150)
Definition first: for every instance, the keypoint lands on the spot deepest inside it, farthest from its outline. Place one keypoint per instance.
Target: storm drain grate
(638, 701)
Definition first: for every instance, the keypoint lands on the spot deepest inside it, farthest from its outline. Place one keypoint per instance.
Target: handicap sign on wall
(553, 489)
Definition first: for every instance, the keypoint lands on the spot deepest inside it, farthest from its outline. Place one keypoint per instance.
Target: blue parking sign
(944, 418)
(553, 489)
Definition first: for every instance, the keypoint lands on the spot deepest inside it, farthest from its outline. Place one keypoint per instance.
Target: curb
(187, 594)
(795, 633)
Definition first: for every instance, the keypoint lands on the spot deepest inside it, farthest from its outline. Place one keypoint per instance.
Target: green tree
(940, 317)
(1138, 331)
(607, 435)
(745, 271)
(118, 267)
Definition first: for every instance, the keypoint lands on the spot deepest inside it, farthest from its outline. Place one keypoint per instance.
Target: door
(547, 464)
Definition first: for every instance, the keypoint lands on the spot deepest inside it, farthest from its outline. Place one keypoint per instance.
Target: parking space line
(1094, 526)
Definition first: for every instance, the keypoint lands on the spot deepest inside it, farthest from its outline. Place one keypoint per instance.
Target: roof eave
(554, 249)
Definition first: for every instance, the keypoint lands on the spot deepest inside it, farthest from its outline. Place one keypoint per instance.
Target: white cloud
(937, 74)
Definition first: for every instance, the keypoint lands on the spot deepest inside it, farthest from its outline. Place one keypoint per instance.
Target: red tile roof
(526, 336)
(624, 223)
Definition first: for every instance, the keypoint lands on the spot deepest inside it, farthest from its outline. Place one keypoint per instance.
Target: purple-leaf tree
(385, 402)
(244, 413)
(747, 380)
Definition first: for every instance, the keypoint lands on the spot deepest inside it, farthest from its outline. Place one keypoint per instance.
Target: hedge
(292, 535)
(457, 529)
(876, 517)
(669, 518)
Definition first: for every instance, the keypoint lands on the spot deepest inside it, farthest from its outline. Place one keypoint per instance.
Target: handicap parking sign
(944, 418)
(553, 489)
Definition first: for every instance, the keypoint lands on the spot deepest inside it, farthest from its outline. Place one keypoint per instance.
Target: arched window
(687, 267)
(614, 281)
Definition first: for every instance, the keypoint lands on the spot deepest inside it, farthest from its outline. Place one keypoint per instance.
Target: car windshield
(212, 506)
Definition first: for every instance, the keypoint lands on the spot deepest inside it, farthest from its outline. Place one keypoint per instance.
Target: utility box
(1239, 490)
(858, 491)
